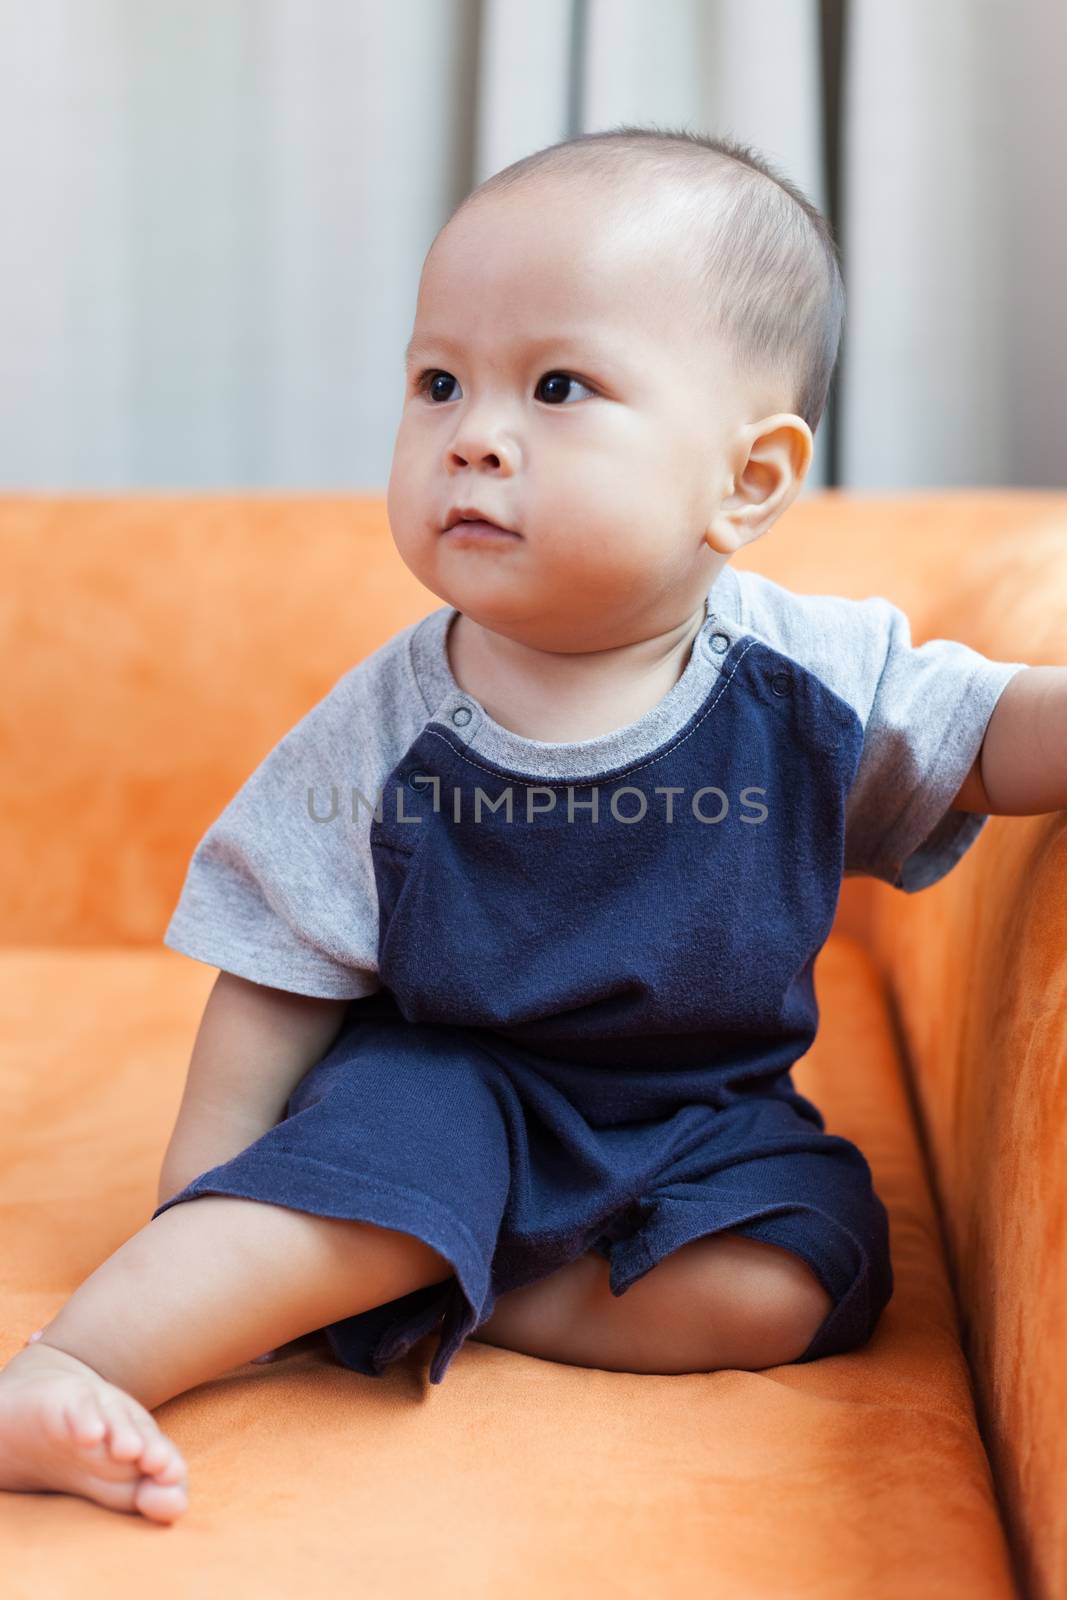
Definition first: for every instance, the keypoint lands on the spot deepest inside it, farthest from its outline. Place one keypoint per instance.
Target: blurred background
(217, 212)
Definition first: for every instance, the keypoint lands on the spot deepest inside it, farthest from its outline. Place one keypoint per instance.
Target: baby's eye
(563, 377)
(429, 383)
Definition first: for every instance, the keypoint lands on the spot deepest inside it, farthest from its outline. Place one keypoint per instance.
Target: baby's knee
(757, 1304)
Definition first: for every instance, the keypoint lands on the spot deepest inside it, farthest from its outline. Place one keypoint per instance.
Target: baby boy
(506, 1054)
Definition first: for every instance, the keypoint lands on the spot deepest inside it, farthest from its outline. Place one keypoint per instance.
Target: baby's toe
(162, 1502)
(81, 1417)
(124, 1437)
(160, 1457)
(154, 1453)
(163, 1461)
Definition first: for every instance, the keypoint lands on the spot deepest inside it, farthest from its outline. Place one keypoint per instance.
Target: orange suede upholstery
(156, 647)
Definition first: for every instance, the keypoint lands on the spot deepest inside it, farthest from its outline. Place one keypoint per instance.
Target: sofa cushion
(516, 1475)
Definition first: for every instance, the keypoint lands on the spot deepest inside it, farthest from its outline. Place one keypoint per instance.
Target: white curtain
(215, 213)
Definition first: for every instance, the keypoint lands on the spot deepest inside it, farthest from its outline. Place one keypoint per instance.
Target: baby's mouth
(478, 533)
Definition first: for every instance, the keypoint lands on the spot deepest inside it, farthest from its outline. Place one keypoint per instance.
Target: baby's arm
(253, 1046)
(1021, 769)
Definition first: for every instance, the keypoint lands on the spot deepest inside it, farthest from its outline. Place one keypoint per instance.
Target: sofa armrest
(976, 969)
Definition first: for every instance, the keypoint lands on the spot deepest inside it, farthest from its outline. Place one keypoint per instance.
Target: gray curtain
(216, 212)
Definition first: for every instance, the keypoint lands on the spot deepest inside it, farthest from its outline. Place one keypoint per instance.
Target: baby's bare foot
(65, 1429)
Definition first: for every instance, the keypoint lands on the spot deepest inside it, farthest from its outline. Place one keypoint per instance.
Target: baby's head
(622, 347)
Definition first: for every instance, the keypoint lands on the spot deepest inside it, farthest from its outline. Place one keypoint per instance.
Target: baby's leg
(721, 1300)
(200, 1289)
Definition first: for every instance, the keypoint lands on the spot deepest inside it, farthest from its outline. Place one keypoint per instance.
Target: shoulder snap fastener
(462, 715)
(719, 642)
(417, 781)
(780, 683)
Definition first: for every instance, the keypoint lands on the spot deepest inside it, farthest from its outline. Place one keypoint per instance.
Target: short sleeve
(926, 717)
(278, 890)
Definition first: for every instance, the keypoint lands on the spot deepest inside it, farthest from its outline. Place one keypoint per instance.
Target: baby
(516, 927)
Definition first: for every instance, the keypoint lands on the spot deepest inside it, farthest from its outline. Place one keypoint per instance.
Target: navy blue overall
(587, 1020)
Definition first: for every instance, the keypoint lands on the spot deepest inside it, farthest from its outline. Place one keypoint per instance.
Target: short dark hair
(768, 261)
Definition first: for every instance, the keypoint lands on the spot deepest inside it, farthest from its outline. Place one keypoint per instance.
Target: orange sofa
(155, 648)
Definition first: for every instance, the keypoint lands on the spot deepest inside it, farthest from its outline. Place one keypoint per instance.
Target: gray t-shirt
(281, 888)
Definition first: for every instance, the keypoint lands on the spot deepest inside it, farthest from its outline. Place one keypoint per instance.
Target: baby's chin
(465, 565)
(509, 593)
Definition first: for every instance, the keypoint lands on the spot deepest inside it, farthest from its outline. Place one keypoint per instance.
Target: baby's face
(556, 385)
